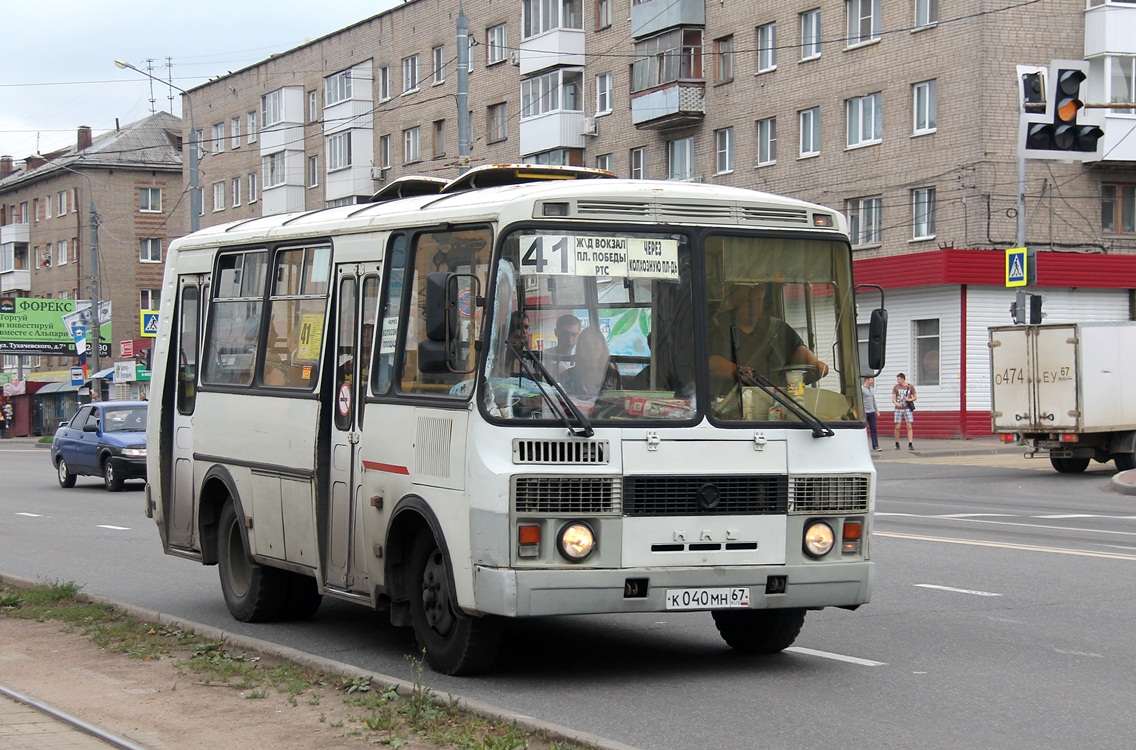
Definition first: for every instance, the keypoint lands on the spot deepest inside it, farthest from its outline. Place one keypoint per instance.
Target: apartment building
(129, 183)
(902, 114)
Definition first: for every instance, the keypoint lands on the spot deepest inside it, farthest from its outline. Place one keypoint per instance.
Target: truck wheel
(253, 592)
(759, 631)
(1124, 461)
(1069, 465)
(455, 643)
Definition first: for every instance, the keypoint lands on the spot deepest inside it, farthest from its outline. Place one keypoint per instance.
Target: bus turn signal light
(853, 534)
(528, 541)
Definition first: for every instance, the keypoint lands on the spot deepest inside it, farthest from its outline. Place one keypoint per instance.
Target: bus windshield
(608, 320)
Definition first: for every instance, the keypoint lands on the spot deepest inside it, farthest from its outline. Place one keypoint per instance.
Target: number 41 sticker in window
(546, 254)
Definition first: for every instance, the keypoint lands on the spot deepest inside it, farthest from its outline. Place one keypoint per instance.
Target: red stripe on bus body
(388, 468)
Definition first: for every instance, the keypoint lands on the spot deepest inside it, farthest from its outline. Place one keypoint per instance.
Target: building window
(724, 147)
(927, 352)
(498, 122)
(766, 47)
(339, 151)
(766, 141)
(274, 169)
(61, 253)
(409, 74)
(810, 34)
(865, 120)
(603, 94)
(554, 91)
(864, 220)
(863, 21)
(666, 58)
(680, 159)
(235, 133)
(236, 191)
(439, 128)
(1121, 82)
(313, 106)
(539, 16)
(253, 187)
(338, 88)
(1118, 209)
(384, 83)
(150, 250)
(604, 162)
(410, 146)
(272, 108)
(250, 126)
(217, 138)
(313, 171)
(384, 152)
(150, 200)
(603, 14)
(725, 49)
(497, 38)
(923, 213)
(926, 13)
(149, 299)
(61, 202)
(218, 196)
(439, 56)
(810, 132)
(925, 106)
(638, 161)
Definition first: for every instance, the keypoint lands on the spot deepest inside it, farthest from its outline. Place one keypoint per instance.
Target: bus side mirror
(877, 340)
(437, 356)
(443, 349)
(441, 306)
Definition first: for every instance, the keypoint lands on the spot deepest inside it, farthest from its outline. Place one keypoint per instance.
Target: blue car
(105, 439)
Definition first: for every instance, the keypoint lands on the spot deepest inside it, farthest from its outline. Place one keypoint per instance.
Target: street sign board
(1017, 266)
(126, 349)
(148, 323)
(76, 376)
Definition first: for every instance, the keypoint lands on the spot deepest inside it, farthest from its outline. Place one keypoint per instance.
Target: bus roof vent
(407, 187)
(767, 214)
(696, 212)
(612, 208)
(526, 451)
(495, 175)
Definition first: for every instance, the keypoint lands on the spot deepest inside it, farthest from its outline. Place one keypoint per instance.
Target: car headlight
(135, 451)
(576, 541)
(818, 539)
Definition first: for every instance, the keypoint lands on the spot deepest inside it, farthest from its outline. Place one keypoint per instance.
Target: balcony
(1110, 30)
(15, 280)
(654, 16)
(553, 48)
(14, 233)
(559, 129)
(669, 107)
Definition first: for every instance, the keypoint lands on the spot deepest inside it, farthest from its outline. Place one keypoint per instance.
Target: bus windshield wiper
(529, 361)
(765, 384)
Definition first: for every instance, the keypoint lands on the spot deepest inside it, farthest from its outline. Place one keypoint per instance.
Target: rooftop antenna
(150, 67)
(170, 81)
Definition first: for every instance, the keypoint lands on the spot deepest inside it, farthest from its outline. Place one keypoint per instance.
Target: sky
(57, 70)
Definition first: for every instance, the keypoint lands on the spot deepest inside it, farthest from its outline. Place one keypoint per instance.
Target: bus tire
(759, 631)
(304, 598)
(1069, 465)
(454, 643)
(253, 592)
(1124, 461)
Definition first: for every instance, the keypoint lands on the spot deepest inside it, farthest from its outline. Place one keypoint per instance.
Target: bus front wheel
(455, 643)
(759, 631)
(253, 592)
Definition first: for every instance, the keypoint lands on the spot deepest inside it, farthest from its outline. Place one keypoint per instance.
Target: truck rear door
(1010, 379)
(1055, 378)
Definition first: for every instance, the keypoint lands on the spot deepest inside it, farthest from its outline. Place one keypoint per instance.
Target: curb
(1124, 482)
(343, 669)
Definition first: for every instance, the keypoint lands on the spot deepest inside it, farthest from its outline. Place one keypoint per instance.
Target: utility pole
(464, 145)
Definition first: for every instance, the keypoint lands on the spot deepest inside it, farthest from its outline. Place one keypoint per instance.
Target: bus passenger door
(340, 572)
(181, 491)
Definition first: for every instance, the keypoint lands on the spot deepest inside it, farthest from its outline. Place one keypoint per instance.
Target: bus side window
(189, 315)
(389, 316)
(234, 319)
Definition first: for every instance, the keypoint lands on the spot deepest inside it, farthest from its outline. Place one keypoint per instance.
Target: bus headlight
(576, 541)
(818, 539)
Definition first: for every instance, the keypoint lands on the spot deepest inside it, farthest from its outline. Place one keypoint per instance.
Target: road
(1002, 617)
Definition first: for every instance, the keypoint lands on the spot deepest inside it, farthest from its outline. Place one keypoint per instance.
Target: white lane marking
(1070, 515)
(112, 528)
(976, 515)
(1023, 525)
(1079, 653)
(1007, 545)
(836, 657)
(31, 515)
(957, 591)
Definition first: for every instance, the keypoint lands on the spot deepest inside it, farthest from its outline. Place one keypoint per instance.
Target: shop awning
(61, 386)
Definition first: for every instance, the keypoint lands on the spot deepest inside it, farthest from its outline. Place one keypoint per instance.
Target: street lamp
(194, 190)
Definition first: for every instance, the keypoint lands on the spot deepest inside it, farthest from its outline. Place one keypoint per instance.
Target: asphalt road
(1002, 617)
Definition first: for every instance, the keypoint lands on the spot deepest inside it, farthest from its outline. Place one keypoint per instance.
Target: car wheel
(111, 477)
(454, 642)
(66, 478)
(253, 592)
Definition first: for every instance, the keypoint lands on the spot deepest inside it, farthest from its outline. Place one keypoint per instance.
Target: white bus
(369, 402)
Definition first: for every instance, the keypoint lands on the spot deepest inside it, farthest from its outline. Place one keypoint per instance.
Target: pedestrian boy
(903, 398)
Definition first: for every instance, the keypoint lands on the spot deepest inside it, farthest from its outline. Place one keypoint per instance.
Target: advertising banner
(52, 326)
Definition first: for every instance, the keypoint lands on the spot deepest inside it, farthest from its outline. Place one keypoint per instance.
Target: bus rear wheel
(253, 592)
(759, 631)
(455, 643)
(1069, 465)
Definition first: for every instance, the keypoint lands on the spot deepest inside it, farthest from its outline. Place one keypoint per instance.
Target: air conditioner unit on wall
(588, 126)
(515, 58)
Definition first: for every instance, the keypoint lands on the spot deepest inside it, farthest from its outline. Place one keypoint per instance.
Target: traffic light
(1060, 131)
(1026, 308)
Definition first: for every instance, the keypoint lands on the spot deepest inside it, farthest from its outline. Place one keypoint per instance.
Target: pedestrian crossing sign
(1017, 266)
(148, 323)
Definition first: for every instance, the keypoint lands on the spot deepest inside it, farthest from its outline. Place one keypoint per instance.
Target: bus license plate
(724, 598)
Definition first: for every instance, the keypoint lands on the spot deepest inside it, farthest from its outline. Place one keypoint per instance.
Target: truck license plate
(723, 598)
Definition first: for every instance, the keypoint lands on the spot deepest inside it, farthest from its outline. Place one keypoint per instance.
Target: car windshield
(131, 419)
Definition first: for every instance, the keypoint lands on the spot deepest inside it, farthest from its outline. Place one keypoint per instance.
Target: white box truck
(1067, 390)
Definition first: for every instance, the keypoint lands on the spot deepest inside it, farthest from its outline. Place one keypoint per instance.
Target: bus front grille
(829, 494)
(566, 495)
(527, 451)
(701, 495)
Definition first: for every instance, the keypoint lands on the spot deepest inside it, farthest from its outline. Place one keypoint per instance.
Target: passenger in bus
(516, 343)
(765, 344)
(559, 357)
(594, 372)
